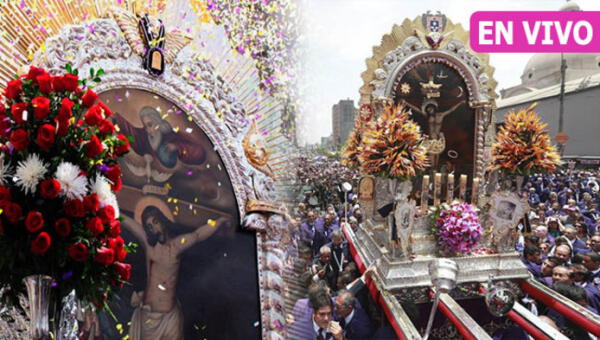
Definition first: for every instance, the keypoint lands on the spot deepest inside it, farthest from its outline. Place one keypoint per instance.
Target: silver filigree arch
(101, 44)
(85, 48)
(474, 77)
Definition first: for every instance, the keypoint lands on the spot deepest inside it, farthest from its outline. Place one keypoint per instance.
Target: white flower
(4, 170)
(29, 173)
(72, 184)
(101, 187)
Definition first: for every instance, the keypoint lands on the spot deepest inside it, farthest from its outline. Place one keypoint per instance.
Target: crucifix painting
(437, 97)
(195, 270)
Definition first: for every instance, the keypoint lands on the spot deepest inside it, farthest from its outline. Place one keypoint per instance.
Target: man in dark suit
(319, 325)
(591, 261)
(339, 252)
(322, 268)
(353, 319)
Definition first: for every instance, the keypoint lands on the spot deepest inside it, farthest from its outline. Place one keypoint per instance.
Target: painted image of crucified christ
(157, 314)
(435, 118)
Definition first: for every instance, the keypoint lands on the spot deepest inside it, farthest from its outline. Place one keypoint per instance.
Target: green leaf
(97, 80)
(100, 72)
(68, 68)
(76, 72)
(92, 72)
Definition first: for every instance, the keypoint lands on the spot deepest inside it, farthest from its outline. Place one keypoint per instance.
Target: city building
(343, 114)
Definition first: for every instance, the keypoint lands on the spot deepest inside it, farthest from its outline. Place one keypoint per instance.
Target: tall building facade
(343, 114)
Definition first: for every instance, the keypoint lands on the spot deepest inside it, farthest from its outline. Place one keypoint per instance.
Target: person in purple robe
(532, 260)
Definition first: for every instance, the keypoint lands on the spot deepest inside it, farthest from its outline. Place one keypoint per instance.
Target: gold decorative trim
(263, 206)
(415, 28)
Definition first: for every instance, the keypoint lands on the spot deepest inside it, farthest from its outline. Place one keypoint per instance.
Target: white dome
(570, 6)
(543, 69)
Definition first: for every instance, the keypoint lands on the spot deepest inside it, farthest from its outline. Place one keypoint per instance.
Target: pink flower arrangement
(457, 228)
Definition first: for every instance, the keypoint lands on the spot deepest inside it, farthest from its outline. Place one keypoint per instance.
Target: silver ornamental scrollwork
(82, 44)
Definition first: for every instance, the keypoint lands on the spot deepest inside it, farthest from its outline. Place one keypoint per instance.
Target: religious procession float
(440, 189)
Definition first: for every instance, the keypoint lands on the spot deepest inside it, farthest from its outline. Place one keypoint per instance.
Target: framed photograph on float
(506, 209)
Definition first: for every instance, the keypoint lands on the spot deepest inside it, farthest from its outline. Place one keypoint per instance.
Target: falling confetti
(211, 222)
(161, 287)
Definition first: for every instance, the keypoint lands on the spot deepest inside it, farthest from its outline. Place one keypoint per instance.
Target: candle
(462, 187)
(425, 193)
(450, 188)
(437, 189)
(475, 191)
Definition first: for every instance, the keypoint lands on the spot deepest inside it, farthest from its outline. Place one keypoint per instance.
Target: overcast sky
(339, 36)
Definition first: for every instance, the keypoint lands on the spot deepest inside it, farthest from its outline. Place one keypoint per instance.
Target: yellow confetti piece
(175, 200)
(182, 241)
(168, 186)
(126, 337)
(211, 222)
(169, 200)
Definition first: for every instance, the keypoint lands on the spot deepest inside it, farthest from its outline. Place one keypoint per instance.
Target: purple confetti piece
(189, 173)
(67, 275)
(53, 284)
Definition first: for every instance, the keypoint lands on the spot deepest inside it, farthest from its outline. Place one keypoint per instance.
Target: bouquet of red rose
(58, 175)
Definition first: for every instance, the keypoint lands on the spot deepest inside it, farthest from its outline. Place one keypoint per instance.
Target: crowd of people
(560, 241)
(337, 304)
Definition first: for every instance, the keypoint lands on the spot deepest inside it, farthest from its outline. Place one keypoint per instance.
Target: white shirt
(316, 328)
(349, 317)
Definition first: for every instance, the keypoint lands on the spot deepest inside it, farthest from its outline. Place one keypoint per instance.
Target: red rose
(121, 255)
(34, 72)
(13, 212)
(13, 89)
(94, 147)
(89, 98)
(41, 107)
(17, 110)
(91, 203)
(114, 175)
(105, 256)
(66, 109)
(19, 139)
(45, 136)
(50, 188)
(93, 116)
(124, 270)
(107, 214)
(45, 83)
(116, 243)
(106, 128)
(34, 221)
(62, 127)
(74, 208)
(4, 194)
(106, 112)
(4, 126)
(124, 145)
(78, 252)
(57, 84)
(62, 227)
(115, 228)
(70, 81)
(41, 243)
(94, 225)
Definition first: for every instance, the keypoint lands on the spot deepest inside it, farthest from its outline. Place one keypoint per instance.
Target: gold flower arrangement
(523, 145)
(389, 146)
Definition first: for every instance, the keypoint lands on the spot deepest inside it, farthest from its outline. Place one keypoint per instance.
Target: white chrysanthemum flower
(101, 187)
(29, 173)
(72, 184)
(4, 170)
